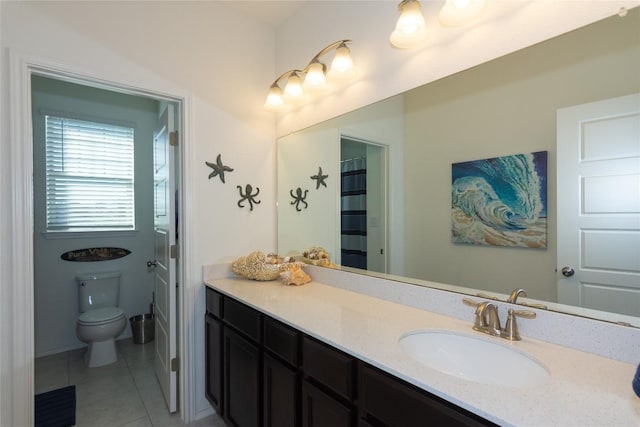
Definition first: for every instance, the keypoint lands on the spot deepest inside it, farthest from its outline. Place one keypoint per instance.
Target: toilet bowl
(100, 320)
(98, 328)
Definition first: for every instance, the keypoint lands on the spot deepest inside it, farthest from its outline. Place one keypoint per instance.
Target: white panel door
(165, 270)
(599, 205)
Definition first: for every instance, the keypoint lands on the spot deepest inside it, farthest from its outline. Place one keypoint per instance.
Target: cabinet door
(321, 410)
(281, 394)
(388, 401)
(213, 362)
(241, 380)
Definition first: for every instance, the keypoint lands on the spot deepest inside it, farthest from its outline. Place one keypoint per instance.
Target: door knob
(152, 264)
(567, 271)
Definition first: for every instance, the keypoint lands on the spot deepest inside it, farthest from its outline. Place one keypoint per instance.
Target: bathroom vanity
(320, 355)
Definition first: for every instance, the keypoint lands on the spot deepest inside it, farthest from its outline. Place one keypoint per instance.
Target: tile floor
(123, 394)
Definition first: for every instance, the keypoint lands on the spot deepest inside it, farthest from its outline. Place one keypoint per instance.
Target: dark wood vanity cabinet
(241, 366)
(263, 373)
(213, 360)
(387, 401)
(320, 409)
(281, 375)
(281, 386)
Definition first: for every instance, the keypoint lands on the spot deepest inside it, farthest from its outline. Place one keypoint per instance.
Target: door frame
(21, 68)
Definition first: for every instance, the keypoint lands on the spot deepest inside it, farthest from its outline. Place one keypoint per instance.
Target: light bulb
(458, 12)
(293, 88)
(411, 29)
(316, 74)
(274, 100)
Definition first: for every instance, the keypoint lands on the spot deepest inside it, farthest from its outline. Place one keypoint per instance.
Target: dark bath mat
(56, 408)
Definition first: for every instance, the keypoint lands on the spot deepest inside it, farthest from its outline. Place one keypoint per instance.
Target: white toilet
(100, 320)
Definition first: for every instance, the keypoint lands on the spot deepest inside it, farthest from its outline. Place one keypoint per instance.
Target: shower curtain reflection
(353, 207)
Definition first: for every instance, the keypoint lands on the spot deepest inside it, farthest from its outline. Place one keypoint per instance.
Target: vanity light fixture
(411, 29)
(313, 76)
(458, 12)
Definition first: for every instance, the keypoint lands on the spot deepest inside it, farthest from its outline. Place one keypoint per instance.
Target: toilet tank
(98, 290)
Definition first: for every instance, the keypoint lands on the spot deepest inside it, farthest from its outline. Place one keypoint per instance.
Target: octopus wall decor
(299, 198)
(218, 168)
(248, 196)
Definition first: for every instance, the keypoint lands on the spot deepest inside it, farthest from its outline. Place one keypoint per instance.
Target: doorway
(55, 288)
(363, 204)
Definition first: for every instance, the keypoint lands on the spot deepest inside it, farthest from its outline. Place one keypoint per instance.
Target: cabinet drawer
(214, 303)
(281, 340)
(243, 318)
(329, 366)
(394, 403)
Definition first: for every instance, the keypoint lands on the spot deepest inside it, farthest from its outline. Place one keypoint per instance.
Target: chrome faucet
(487, 320)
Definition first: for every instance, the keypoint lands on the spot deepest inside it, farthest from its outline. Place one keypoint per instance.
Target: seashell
(257, 266)
(295, 276)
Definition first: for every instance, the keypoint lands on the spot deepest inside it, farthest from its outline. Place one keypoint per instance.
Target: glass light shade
(411, 29)
(342, 63)
(459, 12)
(315, 75)
(274, 100)
(293, 88)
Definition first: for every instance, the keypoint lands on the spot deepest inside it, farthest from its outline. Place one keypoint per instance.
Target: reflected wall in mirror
(503, 107)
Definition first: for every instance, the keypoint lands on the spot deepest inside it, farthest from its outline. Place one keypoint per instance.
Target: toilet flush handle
(152, 264)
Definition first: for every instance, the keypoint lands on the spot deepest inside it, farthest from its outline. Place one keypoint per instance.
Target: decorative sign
(95, 254)
(500, 201)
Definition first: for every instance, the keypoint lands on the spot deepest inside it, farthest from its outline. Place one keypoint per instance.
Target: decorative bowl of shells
(316, 255)
(258, 266)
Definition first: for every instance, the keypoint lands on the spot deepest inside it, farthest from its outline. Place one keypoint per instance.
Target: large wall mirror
(504, 107)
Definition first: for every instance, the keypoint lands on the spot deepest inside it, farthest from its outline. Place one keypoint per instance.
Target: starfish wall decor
(320, 178)
(218, 168)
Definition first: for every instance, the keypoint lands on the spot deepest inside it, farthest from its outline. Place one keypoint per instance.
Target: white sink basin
(474, 359)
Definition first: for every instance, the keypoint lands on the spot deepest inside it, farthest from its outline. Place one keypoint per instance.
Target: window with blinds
(89, 175)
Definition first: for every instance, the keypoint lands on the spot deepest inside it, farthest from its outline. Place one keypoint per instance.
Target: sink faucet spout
(487, 319)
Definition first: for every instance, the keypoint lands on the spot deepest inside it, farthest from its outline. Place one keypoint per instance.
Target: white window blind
(89, 175)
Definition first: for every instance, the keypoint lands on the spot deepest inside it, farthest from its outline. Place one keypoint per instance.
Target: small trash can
(142, 328)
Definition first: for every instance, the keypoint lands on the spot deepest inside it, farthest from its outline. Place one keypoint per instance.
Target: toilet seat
(100, 316)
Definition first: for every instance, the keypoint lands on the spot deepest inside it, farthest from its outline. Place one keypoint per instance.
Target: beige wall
(507, 106)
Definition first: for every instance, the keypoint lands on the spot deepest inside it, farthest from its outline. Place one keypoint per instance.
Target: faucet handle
(487, 296)
(470, 302)
(534, 305)
(527, 314)
(510, 330)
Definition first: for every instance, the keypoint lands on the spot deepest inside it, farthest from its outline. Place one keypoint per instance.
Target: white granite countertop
(583, 389)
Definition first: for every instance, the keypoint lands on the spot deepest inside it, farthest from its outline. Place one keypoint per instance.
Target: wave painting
(500, 201)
